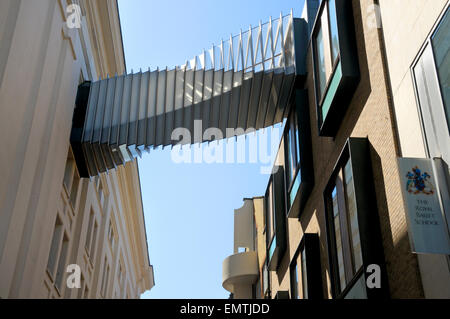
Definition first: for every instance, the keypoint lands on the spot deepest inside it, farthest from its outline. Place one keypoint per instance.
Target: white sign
(428, 231)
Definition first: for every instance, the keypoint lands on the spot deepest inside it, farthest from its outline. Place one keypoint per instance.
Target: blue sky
(189, 207)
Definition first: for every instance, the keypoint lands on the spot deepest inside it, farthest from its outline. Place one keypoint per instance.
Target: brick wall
(369, 115)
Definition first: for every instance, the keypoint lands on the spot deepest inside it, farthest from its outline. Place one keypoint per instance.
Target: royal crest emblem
(418, 182)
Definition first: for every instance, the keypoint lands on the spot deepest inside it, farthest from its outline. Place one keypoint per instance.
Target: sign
(428, 230)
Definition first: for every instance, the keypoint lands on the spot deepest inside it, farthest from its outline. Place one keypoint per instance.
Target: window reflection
(320, 64)
(333, 30)
(441, 48)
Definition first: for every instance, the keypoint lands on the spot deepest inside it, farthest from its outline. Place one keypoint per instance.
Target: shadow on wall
(401, 264)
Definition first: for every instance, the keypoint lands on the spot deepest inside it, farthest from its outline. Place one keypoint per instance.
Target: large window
(334, 36)
(275, 218)
(58, 255)
(71, 179)
(320, 63)
(299, 170)
(354, 237)
(431, 74)
(345, 224)
(336, 67)
(292, 152)
(91, 236)
(441, 47)
(305, 269)
(299, 277)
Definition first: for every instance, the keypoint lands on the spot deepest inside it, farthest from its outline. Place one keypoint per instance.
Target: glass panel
(273, 245)
(56, 240)
(441, 46)
(293, 156)
(320, 64)
(270, 220)
(74, 189)
(68, 173)
(352, 218)
(265, 279)
(290, 157)
(332, 89)
(94, 242)
(295, 188)
(62, 263)
(333, 30)
(358, 291)
(304, 275)
(297, 139)
(338, 238)
(89, 231)
(295, 283)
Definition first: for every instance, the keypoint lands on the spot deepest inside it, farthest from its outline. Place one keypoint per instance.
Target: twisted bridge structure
(245, 82)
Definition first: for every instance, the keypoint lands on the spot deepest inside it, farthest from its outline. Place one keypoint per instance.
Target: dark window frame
(296, 161)
(337, 182)
(310, 246)
(357, 151)
(345, 81)
(433, 130)
(299, 112)
(279, 236)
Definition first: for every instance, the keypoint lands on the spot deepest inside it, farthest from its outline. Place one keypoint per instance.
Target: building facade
(50, 218)
(376, 91)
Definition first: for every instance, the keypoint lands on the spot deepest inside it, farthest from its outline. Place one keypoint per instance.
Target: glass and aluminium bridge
(245, 82)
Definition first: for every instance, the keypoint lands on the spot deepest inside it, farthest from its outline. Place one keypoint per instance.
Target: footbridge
(244, 82)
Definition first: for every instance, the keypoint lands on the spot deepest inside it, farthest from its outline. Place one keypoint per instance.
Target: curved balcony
(240, 270)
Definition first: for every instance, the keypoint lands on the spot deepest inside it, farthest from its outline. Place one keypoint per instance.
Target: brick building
(334, 207)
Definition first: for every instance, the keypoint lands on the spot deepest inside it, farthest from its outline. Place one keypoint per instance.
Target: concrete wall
(41, 64)
(416, 18)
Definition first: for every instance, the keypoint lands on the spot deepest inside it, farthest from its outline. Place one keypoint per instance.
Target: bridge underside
(247, 84)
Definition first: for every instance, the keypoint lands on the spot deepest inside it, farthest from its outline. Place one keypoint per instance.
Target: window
(292, 150)
(345, 223)
(121, 275)
(105, 278)
(265, 280)
(94, 240)
(57, 258)
(294, 282)
(335, 78)
(354, 237)
(68, 173)
(71, 178)
(111, 236)
(334, 36)
(441, 48)
(101, 193)
(320, 63)
(298, 155)
(306, 275)
(91, 236)
(62, 263)
(54, 248)
(432, 85)
(270, 226)
(276, 218)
